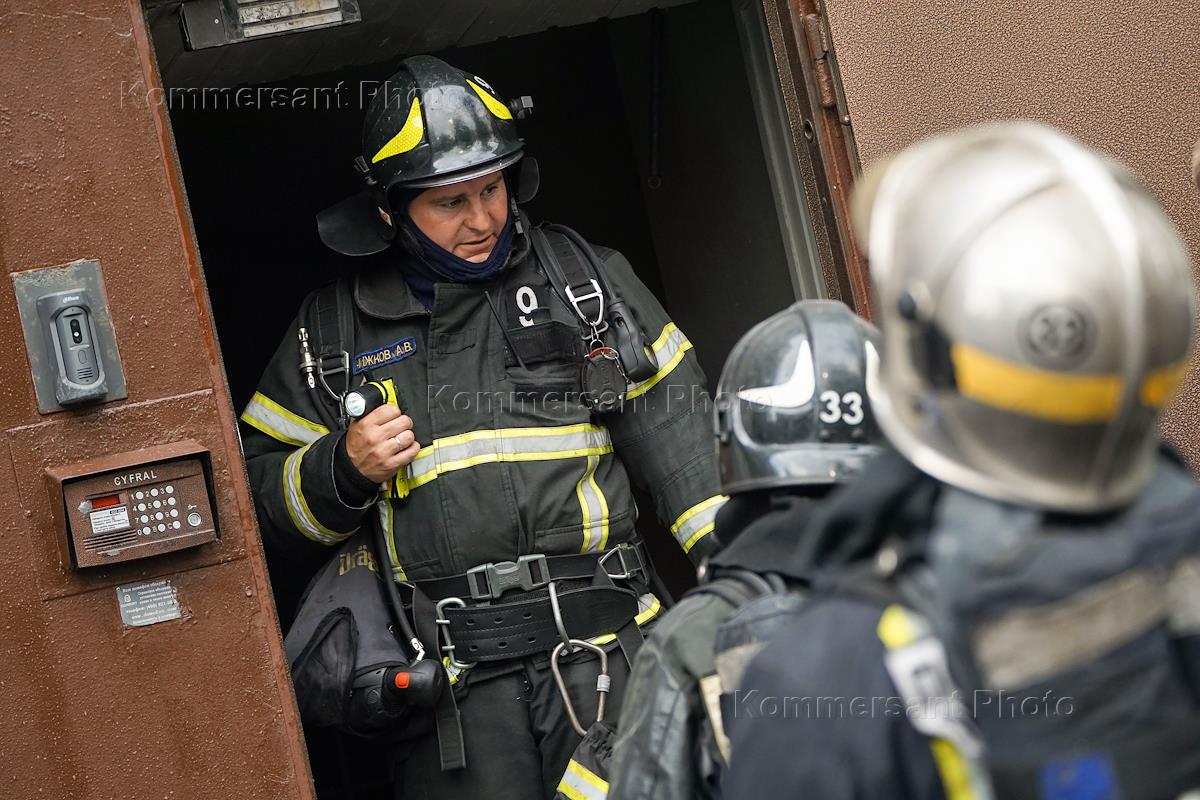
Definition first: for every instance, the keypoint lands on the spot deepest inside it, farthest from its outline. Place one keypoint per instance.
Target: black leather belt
(474, 627)
(527, 627)
(489, 581)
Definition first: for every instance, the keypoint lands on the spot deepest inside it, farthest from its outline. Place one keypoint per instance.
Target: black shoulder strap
(577, 275)
(329, 315)
(572, 275)
(334, 318)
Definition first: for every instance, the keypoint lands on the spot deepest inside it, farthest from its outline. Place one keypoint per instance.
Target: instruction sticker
(110, 519)
(148, 603)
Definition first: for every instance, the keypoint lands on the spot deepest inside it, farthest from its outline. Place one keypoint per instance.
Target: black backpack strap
(573, 277)
(328, 316)
(577, 274)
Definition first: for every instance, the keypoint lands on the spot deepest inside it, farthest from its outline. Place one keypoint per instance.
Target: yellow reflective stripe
(517, 433)
(408, 137)
(580, 783)
(593, 507)
(1079, 399)
(583, 507)
(697, 522)
(387, 519)
(493, 105)
(297, 507)
(279, 423)
(697, 536)
(668, 349)
(897, 628)
(954, 770)
(648, 606)
(603, 506)
(471, 449)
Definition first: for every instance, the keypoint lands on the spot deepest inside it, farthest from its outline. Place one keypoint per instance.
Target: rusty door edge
(226, 416)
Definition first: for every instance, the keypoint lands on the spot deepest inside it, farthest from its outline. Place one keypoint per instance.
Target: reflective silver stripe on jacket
(387, 522)
(1183, 598)
(297, 507)
(594, 508)
(279, 423)
(697, 522)
(1029, 644)
(467, 450)
(668, 349)
(580, 783)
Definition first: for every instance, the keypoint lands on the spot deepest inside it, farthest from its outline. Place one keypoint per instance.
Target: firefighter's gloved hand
(382, 443)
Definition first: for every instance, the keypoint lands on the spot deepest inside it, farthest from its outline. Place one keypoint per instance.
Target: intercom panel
(135, 505)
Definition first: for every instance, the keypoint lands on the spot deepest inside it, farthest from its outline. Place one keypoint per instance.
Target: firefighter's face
(463, 218)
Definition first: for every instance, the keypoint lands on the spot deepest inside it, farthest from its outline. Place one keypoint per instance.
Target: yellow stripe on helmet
(493, 105)
(1078, 399)
(410, 135)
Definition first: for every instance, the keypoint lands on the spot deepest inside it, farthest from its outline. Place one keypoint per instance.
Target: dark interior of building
(647, 139)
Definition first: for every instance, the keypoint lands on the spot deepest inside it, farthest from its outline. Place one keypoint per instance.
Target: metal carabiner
(444, 626)
(603, 681)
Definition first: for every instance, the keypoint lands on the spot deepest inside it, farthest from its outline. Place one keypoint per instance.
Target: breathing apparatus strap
(326, 318)
(335, 335)
(577, 275)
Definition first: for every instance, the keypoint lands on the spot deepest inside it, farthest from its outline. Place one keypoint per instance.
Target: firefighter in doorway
(531, 379)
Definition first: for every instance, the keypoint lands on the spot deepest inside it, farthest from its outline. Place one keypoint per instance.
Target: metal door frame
(823, 154)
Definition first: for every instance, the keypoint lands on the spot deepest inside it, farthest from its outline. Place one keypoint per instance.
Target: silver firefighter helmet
(792, 406)
(1036, 306)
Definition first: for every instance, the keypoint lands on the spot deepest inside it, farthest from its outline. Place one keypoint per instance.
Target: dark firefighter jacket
(667, 745)
(1062, 663)
(511, 461)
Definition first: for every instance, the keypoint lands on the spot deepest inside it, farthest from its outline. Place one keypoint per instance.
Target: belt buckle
(626, 573)
(489, 581)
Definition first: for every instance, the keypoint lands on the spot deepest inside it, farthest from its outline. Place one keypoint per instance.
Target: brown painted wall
(89, 708)
(1124, 77)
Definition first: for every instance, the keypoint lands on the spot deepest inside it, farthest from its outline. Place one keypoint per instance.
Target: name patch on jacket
(388, 354)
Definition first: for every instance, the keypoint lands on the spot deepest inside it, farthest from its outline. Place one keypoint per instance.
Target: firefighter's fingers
(390, 429)
(380, 416)
(403, 440)
(372, 446)
(403, 458)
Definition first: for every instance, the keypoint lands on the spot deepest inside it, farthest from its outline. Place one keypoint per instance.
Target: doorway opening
(649, 131)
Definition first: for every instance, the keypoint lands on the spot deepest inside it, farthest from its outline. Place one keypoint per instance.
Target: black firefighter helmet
(792, 405)
(430, 124)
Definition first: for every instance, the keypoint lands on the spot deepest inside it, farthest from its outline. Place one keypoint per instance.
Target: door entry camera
(71, 339)
(69, 335)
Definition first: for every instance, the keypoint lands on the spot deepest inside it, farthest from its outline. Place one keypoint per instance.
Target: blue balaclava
(433, 264)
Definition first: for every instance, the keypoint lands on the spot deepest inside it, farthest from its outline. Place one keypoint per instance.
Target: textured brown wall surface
(90, 708)
(1124, 77)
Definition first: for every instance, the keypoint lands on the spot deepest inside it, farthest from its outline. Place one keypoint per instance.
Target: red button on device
(401, 680)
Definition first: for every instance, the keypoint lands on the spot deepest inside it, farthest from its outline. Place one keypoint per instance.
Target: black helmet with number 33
(792, 405)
